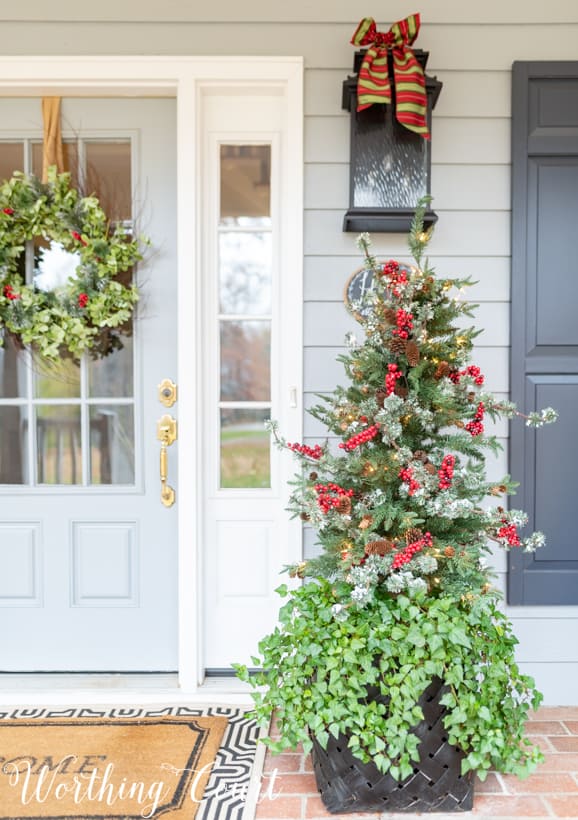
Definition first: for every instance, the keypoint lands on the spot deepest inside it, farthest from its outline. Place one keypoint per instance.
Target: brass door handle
(167, 435)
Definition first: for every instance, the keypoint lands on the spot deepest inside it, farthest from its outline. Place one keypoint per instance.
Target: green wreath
(89, 311)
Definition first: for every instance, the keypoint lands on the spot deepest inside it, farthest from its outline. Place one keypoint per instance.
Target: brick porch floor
(551, 792)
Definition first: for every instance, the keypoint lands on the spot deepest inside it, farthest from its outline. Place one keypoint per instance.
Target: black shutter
(544, 321)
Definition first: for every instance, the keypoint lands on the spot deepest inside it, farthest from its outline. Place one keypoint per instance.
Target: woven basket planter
(436, 785)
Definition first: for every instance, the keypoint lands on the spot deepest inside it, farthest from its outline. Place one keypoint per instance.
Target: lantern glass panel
(390, 163)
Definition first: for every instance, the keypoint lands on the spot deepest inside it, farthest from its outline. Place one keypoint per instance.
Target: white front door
(88, 554)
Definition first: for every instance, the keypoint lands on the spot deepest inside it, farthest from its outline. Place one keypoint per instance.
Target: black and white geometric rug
(229, 785)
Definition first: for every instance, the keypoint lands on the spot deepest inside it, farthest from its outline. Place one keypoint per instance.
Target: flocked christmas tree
(403, 502)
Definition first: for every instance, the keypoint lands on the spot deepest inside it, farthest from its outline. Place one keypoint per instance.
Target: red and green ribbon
(374, 85)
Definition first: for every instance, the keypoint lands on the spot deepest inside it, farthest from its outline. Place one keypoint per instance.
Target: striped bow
(373, 85)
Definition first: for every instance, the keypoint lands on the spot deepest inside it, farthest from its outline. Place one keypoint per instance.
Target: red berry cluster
(360, 438)
(82, 300)
(446, 472)
(509, 533)
(312, 452)
(329, 495)
(78, 237)
(9, 293)
(405, 556)
(8, 211)
(396, 277)
(404, 321)
(390, 268)
(472, 370)
(393, 374)
(406, 475)
(476, 426)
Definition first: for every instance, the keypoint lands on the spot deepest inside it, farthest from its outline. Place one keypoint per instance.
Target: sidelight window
(245, 283)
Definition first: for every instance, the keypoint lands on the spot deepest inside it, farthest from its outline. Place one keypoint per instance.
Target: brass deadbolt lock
(167, 392)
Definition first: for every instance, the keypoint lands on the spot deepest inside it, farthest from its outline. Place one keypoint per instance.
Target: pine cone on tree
(343, 505)
(298, 570)
(380, 396)
(412, 353)
(379, 547)
(443, 369)
(421, 455)
(413, 534)
(397, 346)
(401, 391)
(390, 315)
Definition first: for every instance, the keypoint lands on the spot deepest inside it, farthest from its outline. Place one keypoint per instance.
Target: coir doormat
(124, 764)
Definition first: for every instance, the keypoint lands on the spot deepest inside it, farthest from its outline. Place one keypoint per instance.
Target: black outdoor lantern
(390, 149)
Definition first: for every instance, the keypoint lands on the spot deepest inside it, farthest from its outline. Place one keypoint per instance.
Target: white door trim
(185, 78)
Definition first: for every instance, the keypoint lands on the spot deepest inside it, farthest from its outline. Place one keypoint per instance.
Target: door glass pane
(245, 277)
(13, 382)
(245, 361)
(11, 159)
(58, 444)
(13, 445)
(56, 380)
(112, 444)
(112, 376)
(108, 176)
(245, 184)
(70, 156)
(245, 448)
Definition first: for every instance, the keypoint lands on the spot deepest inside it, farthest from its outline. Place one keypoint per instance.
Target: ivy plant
(323, 656)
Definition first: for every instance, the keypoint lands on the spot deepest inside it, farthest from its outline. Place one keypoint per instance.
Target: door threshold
(106, 689)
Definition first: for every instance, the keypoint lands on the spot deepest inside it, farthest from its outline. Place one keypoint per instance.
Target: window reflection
(53, 264)
(13, 445)
(245, 361)
(112, 444)
(12, 369)
(59, 458)
(112, 376)
(245, 184)
(245, 275)
(11, 159)
(108, 176)
(245, 449)
(56, 380)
